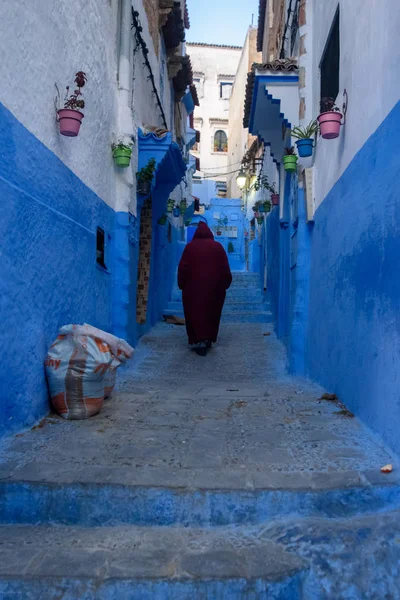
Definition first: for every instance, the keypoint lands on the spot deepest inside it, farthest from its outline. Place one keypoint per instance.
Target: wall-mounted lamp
(241, 179)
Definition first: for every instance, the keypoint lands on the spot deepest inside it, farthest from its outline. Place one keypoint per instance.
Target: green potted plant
(304, 136)
(329, 119)
(260, 218)
(266, 204)
(231, 248)
(220, 225)
(183, 206)
(122, 152)
(145, 177)
(170, 205)
(162, 220)
(290, 159)
(256, 207)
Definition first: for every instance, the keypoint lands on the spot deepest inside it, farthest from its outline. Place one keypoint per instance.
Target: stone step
(285, 559)
(226, 501)
(141, 563)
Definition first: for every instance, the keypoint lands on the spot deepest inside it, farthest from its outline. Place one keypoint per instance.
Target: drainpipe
(124, 183)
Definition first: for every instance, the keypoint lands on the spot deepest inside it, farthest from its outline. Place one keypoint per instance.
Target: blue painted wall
(231, 208)
(48, 266)
(354, 324)
(273, 259)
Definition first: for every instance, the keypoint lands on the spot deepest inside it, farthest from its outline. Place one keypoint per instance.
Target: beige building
(214, 70)
(239, 138)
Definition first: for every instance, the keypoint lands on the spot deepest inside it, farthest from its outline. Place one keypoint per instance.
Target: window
(220, 141)
(100, 248)
(199, 83)
(330, 62)
(225, 90)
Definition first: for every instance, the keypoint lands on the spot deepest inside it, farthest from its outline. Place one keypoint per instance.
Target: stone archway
(143, 280)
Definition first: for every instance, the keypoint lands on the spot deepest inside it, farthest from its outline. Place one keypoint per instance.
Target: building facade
(78, 244)
(240, 140)
(333, 245)
(214, 70)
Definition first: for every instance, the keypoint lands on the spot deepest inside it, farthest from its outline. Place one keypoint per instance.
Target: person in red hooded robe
(203, 276)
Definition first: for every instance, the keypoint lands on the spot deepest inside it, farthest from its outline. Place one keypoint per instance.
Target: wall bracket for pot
(345, 105)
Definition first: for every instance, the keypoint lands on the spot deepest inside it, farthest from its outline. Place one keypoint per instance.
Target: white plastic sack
(75, 367)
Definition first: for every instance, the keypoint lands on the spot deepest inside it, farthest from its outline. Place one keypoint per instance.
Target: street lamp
(241, 179)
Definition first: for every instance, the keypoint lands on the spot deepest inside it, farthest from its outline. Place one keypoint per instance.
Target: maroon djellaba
(203, 276)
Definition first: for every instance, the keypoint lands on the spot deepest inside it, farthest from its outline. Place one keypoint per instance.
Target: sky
(221, 21)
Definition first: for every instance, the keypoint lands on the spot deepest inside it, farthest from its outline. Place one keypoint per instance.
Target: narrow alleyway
(216, 477)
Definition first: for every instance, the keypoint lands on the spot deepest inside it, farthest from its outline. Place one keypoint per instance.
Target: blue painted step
(100, 505)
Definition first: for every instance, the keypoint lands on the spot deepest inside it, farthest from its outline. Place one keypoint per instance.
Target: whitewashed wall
(369, 70)
(43, 42)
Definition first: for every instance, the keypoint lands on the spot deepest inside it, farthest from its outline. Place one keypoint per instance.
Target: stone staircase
(244, 302)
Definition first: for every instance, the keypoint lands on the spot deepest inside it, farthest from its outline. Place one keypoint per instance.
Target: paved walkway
(220, 421)
(216, 477)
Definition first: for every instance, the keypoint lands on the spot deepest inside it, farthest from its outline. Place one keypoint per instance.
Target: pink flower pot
(275, 199)
(329, 124)
(70, 121)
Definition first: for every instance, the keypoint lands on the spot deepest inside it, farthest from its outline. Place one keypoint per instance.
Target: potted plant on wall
(145, 177)
(290, 159)
(183, 206)
(274, 195)
(304, 136)
(266, 204)
(256, 207)
(162, 220)
(70, 117)
(176, 211)
(329, 119)
(122, 152)
(170, 205)
(231, 248)
(260, 218)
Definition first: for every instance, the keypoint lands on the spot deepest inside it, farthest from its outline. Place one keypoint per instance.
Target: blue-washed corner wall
(354, 322)
(166, 240)
(48, 275)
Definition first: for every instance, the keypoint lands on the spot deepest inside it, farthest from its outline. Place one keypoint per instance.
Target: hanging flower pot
(305, 147)
(176, 212)
(266, 205)
(70, 117)
(70, 121)
(219, 232)
(170, 205)
(162, 220)
(329, 119)
(304, 137)
(275, 199)
(122, 155)
(183, 206)
(329, 124)
(261, 208)
(290, 160)
(260, 220)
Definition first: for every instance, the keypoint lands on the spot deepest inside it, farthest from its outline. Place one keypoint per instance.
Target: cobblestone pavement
(233, 419)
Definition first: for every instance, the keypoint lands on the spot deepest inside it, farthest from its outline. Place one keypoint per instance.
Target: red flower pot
(329, 124)
(275, 199)
(70, 121)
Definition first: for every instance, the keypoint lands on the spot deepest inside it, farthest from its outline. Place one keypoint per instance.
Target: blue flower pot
(305, 147)
(176, 212)
(261, 208)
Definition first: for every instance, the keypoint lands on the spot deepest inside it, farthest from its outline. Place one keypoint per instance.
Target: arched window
(220, 141)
